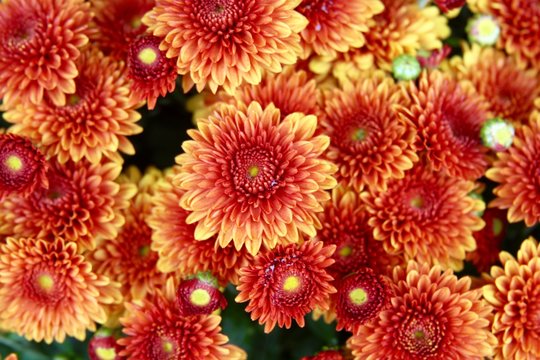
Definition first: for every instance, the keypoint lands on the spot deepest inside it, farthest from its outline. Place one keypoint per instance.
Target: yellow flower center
(419, 334)
(358, 296)
(136, 22)
(148, 56)
(167, 346)
(417, 202)
(253, 171)
(200, 297)
(502, 135)
(359, 134)
(486, 27)
(497, 227)
(73, 99)
(14, 163)
(45, 282)
(345, 251)
(291, 283)
(144, 250)
(106, 353)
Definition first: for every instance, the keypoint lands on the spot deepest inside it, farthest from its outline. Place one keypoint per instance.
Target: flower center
(497, 226)
(345, 251)
(136, 22)
(421, 336)
(144, 250)
(106, 353)
(14, 163)
(358, 296)
(45, 282)
(145, 60)
(148, 55)
(217, 15)
(291, 283)
(167, 346)
(200, 297)
(417, 202)
(254, 172)
(359, 134)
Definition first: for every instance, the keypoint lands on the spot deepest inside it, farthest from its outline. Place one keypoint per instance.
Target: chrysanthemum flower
(155, 329)
(175, 243)
(326, 355)
(199, 296)
(286, 283)
(95, 121)
(448, 117)
(432, 315)
(336, 26)
(489, 240)
(118, 23)
(427, 216)
(82, 204)
(152, 74)
(515, 294)
(369, 143)
(360, 298)
(37, 54)
(345, 224)
(253, 178)
(23, 168)
(506, 84)
(127, 257)
(49, 291)
(223, 43)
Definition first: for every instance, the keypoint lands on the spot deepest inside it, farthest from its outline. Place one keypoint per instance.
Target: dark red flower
(199, 297)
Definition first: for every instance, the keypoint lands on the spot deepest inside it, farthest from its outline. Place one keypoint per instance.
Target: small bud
(199, 296)
(497, 134)
(406, 67)
(483, 29)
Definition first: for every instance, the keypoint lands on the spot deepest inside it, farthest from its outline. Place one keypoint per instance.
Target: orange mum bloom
(427, 216)
(448, 116)
(82, 204)
(489, 240)
(175, 243)
(253, 178)
(506, 84)
(516, 172)
(151, 73)
(127, 258)
(286, 283)
(223, 43)
(432, 315)
(37, 54)
(49, 291)
(118, 23)
(369, 143)
(515, 294)
(345, 224)
(155, 329)
(338, 25)
(23, 168)
(93, 124)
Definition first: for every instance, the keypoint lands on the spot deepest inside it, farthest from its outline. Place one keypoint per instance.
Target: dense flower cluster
(373, 164)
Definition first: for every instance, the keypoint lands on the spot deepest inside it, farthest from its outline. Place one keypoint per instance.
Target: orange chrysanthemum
(151, 73)
(37, 54)
(286, 283)
(432, 315)
(345, 224)
(23, 168)
(82, 204)
(155, 329)
(448, 116)
(515, 294)
(489, 240)
(118, 23)
(336, 25)
(223, 43)
(173, 239)
(427, 216)
(127, 257)
(49, 291)
(516, 170)
(93, 124)
(369, 143)
(253, 178)
(506, 84)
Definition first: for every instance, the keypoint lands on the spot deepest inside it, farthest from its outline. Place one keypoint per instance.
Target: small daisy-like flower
(223, 43)
(337, 25)
(406, 67)
(82, 204)
(23, 168)
(431, 315)
(127, 257)
(516, 170)
(507, 85)
(360, 298)
(199, 296)
(427, 216)
(286, 283)
(37, 55)
(483, 29)
(448, 117)
(173, 239)
(103, 346)
(152, 74)
(515, 295)
(497, 134)
(155, 329)
(95, 121)
(118, 23)
(489, 240)
(252, 178)
(368, 141)
(57, 293)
